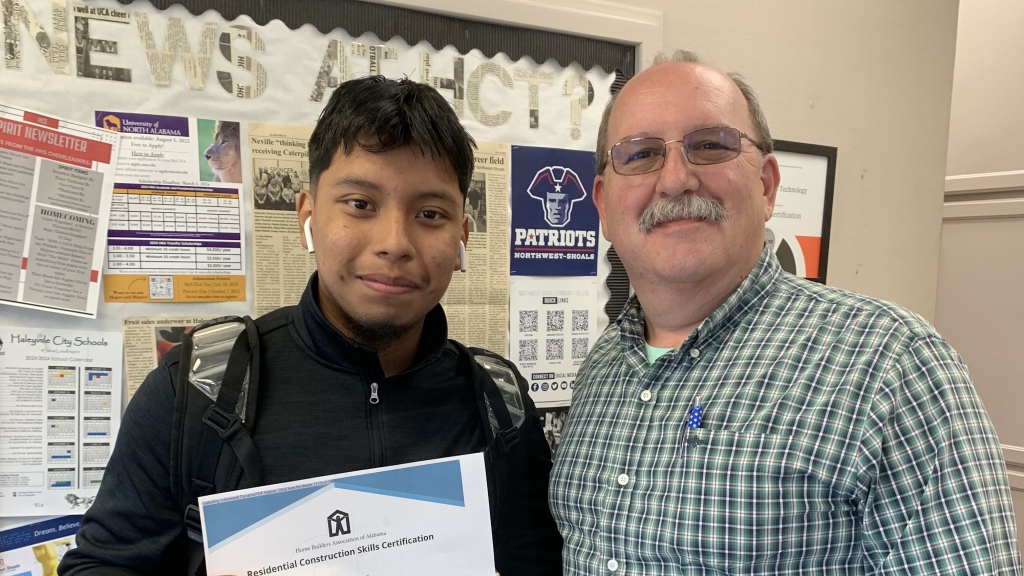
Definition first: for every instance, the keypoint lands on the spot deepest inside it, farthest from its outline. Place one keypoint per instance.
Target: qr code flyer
(551, 331)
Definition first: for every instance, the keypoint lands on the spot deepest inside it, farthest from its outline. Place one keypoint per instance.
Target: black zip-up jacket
(315, 419)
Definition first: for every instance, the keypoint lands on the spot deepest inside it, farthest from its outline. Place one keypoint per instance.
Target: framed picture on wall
(798, 231)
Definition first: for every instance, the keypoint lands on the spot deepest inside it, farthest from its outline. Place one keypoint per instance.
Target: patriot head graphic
(557, 188)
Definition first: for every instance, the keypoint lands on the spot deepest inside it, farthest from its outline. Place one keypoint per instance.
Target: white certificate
(424, 518)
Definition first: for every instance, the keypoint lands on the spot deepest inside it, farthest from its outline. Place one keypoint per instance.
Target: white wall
(986, 146)
(871, 77)
(979, 306)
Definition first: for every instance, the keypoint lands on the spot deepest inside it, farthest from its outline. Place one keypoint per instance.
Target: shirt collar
(330, 345)
(751, 292)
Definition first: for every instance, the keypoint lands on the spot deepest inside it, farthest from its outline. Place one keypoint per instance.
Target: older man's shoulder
(837, 303)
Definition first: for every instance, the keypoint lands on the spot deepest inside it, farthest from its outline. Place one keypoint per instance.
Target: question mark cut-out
(577, 105)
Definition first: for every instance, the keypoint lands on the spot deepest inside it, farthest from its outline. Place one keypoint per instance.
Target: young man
(360, 374)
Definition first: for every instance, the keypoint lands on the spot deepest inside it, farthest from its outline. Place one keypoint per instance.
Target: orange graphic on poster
(811, 247)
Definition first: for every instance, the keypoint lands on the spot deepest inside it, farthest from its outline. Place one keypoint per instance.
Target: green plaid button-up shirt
(841, 436)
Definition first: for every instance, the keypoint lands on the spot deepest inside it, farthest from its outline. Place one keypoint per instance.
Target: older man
(738, 420)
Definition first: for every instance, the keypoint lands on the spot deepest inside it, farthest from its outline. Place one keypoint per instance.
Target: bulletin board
(210, 112)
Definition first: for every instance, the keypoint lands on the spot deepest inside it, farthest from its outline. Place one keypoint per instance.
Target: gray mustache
(685, 207)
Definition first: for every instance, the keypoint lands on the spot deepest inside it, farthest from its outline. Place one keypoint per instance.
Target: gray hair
(685, 206)
(761, 131)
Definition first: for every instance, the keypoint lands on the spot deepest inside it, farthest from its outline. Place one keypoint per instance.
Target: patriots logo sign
(559, 239)
(557, 188)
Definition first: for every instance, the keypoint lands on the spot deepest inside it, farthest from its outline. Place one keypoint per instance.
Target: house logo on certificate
(338, 524)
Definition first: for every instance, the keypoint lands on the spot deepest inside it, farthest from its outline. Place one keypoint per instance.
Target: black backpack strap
(224, 427)
(223, 422)
(181, 394)
(196, 551)
(507, 434)
(193, 525)
(505, 450)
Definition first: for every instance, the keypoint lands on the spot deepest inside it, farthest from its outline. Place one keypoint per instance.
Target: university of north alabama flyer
(175, 217)
(425, 518)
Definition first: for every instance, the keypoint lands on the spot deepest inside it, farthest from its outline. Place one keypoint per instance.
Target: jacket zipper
(376, 428)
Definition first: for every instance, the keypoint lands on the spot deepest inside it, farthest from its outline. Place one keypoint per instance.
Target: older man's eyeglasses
(705, 146)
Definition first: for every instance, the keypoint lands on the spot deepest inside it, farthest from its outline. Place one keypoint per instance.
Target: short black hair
(379, 115)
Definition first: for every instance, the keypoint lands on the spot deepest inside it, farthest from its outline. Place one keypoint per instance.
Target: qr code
(528, 320)
(579, 348)
(581, 320)
(554, 350)
(556, 320)
(161, 287)
(528, 350)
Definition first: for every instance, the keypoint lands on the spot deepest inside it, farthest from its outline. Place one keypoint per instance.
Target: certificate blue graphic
(429, 518)
(440, 483)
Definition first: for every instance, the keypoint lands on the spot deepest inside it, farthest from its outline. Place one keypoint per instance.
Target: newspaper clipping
(280, 170)
(147, 340)
(553, 421)
(476, 302)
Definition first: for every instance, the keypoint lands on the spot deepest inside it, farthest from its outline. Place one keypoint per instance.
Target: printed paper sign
(56, 179)
(794, 231)
(554, 220)
(175, 221)
(552, 327)
(59, 415)
(36, 549)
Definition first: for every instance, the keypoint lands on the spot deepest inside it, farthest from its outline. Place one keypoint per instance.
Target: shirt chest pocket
(743, 499)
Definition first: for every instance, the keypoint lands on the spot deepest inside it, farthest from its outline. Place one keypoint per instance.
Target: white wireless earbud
(462, 256)
(309, 237)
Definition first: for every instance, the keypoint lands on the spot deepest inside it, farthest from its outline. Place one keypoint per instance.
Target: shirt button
(623, 479)
(645, 395)
(613, 565)
(694, 352)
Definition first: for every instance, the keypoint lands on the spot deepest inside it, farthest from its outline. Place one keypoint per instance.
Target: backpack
(217, 390)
